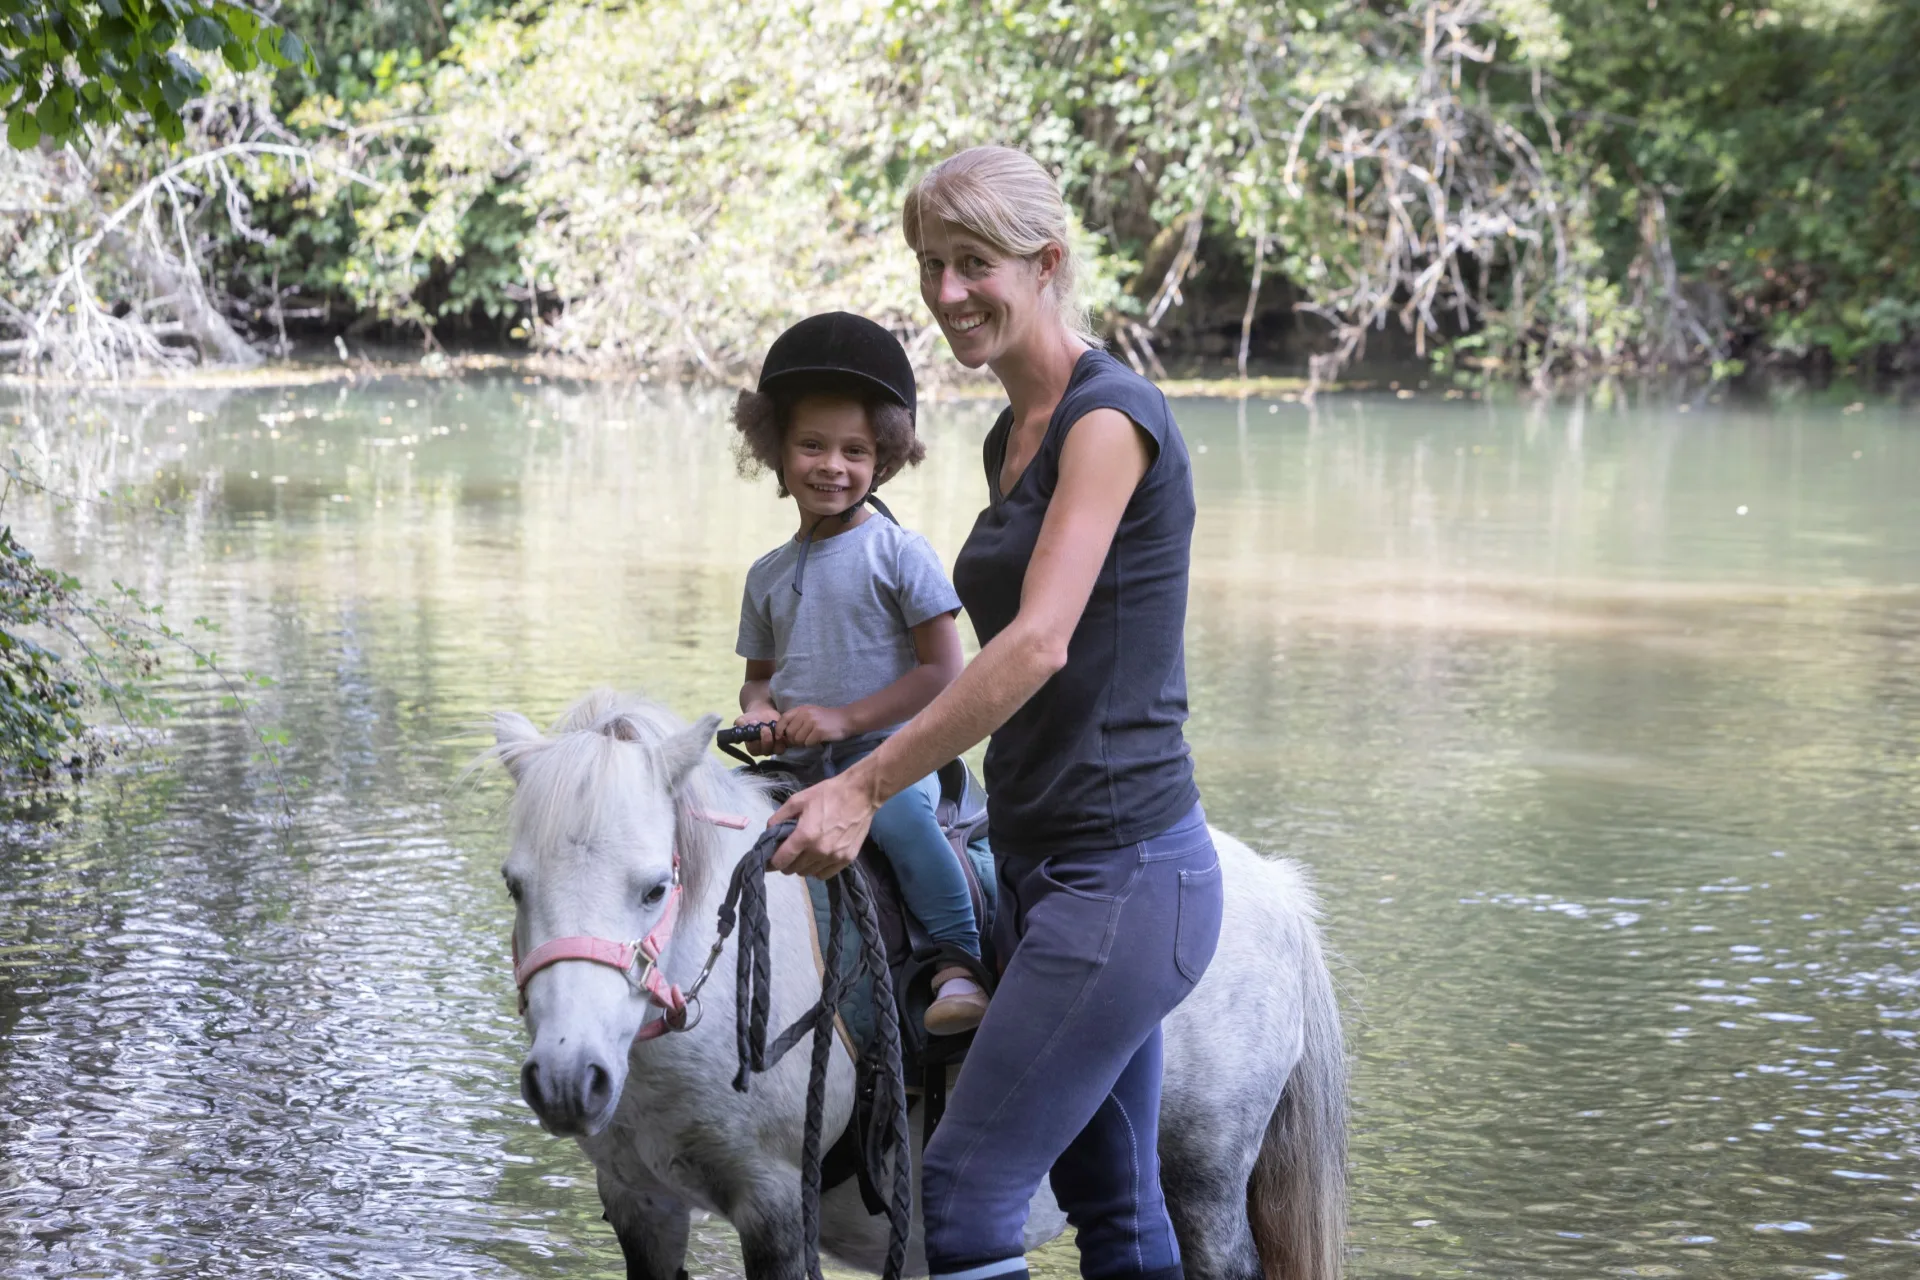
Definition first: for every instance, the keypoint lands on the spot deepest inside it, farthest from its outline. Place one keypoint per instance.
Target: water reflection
(1597, 725)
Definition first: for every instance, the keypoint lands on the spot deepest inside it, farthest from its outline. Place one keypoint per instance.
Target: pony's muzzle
(572, 1097)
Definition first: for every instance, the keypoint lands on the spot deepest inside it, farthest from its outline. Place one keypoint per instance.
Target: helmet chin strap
(870, 497)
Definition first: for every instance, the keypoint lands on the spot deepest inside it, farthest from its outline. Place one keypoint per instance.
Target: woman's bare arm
(1101, 464)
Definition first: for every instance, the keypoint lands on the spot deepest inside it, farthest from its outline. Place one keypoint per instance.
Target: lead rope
(847, 896)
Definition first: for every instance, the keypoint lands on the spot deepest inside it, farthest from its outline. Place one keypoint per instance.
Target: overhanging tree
(64, 65)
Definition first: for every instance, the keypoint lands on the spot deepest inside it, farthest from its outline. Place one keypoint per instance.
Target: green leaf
(23, 130)
(182, 82)
(65, 32)
(206, 33)
(239, 56)
(116, 33)
(269, 49)
(293, 49)
(242, 22)
(55, 124)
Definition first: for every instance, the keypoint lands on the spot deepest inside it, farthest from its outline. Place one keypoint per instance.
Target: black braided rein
(847, 893)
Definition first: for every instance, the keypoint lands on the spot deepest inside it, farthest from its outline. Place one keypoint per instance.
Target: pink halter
(643, 955)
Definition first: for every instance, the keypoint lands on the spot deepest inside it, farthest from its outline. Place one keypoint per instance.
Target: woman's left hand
(831, 821)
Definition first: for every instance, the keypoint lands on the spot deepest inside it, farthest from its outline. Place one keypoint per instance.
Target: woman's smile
(979, 295)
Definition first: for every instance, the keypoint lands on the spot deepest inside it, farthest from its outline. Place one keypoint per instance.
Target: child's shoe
(958, 1004)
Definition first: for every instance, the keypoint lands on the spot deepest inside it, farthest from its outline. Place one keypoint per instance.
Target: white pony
(614, 825)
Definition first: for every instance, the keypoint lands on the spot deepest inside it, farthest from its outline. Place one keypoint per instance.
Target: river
(1597, 721)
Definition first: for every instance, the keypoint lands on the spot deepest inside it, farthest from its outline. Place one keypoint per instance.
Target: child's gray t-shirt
(850, 634)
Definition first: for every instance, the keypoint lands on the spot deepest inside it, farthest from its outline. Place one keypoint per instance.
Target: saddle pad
(859, 1002)
(855, 1019)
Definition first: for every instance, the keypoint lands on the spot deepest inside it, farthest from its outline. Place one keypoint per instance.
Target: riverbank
(1404, 380)
(537, 368)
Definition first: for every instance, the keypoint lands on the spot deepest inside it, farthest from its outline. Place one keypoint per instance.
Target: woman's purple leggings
(1063, 1078)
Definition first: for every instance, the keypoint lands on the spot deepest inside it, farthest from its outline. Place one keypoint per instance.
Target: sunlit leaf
(23, 130)
(267, 45)
(240, 21)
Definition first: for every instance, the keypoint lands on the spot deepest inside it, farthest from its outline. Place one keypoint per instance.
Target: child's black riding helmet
(837, 347)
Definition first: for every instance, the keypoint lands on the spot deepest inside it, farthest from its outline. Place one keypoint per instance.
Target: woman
(1075, 577)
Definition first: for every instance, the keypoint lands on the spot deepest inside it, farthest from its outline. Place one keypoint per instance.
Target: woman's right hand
(831, 820)
(769, 720)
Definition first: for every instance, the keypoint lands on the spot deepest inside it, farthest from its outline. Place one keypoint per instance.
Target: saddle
(912, 957)
(912, 960)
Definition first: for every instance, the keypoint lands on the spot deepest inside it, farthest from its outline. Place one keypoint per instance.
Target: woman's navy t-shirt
(1096, 759)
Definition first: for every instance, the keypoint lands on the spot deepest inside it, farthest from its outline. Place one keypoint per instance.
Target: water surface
(1596, 724)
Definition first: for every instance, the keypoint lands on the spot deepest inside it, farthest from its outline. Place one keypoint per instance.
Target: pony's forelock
(602, 743)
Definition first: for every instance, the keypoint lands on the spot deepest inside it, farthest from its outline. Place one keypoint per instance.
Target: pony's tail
(1297, 1197)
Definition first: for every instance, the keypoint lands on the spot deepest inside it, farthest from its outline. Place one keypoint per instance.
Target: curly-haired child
(848, 627)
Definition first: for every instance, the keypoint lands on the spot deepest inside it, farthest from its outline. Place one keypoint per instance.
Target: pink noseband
(643, 954)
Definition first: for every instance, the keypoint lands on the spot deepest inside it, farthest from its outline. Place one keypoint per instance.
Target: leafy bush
(41, 728)
(67, 655)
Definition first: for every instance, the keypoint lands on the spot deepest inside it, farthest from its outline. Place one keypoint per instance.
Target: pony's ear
(513, 736)
(687, 748)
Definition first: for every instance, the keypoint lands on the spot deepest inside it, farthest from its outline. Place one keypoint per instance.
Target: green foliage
(362, 103)
(65, 65)
(666, 184)
(683, 179)
(41, 727)
(1338, 142)
(1577, 183)
(1781, 146)
(116, 649)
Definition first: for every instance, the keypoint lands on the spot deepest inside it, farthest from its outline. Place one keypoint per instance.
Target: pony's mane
(605, 741)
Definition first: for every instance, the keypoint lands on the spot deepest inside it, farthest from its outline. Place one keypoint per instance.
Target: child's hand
(769, 720)
(811, 726)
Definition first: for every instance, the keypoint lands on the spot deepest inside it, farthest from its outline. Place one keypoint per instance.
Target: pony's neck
(731, 801)
(736, 811)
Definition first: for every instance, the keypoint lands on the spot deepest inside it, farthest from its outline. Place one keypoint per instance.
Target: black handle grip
(741, 733)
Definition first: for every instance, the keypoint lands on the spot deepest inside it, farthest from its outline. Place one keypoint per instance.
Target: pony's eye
(654, 895)
(513, 886)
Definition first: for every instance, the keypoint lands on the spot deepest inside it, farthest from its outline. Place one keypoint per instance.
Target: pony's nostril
(599, 1088)
(530, 1085)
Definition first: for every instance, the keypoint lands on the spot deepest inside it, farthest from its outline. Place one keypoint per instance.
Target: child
(848, 627)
